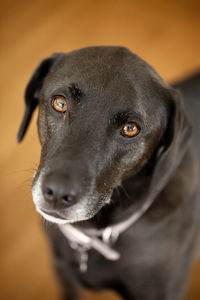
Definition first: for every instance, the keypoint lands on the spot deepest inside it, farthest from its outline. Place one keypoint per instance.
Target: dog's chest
(90, 267)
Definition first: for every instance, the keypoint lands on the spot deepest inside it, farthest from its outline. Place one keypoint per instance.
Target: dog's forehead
(99, 60)
(103, 73)
(103, 65)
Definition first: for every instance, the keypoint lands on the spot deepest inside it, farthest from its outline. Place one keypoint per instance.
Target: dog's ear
(32, 93)
(174, 144)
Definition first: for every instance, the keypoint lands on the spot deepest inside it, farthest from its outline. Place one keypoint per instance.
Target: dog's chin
(55, 218)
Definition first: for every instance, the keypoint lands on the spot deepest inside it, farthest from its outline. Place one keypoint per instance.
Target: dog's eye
(130, 129)
(59, 103)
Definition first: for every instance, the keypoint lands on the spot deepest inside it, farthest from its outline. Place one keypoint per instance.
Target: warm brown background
(165, 33)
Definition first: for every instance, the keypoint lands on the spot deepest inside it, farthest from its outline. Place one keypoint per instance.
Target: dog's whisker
(31, 170)
(124, 190)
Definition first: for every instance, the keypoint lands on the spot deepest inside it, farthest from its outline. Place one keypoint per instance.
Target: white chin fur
(51, 218)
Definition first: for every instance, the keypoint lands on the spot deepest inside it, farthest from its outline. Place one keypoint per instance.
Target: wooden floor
(165, 33)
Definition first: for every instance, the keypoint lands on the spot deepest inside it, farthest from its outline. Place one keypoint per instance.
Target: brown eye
(130, 129)
(59, 103)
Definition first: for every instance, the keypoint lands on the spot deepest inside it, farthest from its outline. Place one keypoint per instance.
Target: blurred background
(164, 33)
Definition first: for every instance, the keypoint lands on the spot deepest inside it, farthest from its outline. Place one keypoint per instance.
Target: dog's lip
(53, 213)
(57, 219)
(50, 218)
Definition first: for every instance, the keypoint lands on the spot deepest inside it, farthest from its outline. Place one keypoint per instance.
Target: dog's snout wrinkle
(59, 191)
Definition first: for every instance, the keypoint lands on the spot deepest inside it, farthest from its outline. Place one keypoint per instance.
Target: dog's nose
(58, 191)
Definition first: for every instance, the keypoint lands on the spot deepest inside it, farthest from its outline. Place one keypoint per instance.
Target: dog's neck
(103, 230)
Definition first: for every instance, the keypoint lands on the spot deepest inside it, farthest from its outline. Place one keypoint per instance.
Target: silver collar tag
(81, 242)
(82, 252)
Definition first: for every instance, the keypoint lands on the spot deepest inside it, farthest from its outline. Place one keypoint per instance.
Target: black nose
(58, 190)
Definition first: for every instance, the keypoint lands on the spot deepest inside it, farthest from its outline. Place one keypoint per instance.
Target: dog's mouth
(56, 218)
(52, 216)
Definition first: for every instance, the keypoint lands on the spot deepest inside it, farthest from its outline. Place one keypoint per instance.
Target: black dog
(117, 147)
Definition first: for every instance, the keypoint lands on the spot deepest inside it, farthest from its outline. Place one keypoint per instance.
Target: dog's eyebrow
(125, 116)
(120, 118)
(75, 92)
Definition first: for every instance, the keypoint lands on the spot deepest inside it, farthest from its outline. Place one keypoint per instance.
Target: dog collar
(100, 240)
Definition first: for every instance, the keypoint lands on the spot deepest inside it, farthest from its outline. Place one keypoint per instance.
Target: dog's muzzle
(60, 201)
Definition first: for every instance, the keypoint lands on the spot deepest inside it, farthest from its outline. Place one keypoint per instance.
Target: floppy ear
(32, 93)
(176, 141)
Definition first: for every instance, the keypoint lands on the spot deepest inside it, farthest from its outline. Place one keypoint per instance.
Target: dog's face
(102, 115)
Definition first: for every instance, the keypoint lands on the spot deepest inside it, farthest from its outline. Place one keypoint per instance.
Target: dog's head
(104, 113)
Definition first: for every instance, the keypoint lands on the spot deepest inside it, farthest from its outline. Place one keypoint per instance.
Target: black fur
(88, 159)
